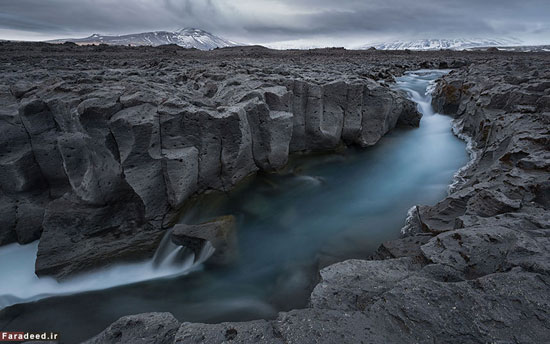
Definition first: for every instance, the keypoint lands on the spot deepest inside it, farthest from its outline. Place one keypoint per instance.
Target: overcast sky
(280, 22)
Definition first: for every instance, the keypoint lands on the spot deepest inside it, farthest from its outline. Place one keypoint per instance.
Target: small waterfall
(206, 252)
(168, 253)
(22, 285)
(424, 80)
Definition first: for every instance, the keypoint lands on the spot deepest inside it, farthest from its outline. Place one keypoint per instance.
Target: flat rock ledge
(100, 148)
(158, 328)
(474, 268)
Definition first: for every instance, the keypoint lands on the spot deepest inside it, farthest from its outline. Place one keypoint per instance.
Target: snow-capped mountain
(437, 44)
(187, 38)
(525, 48)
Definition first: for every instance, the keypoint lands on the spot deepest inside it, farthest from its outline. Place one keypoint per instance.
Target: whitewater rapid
(20, 283)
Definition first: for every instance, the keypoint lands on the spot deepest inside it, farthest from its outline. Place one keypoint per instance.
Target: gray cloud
(271, 20)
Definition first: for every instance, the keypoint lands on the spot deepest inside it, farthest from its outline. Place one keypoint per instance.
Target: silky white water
(20, 283)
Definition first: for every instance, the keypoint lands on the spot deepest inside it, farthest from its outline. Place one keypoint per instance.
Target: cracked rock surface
(473, 268)
(100, 146)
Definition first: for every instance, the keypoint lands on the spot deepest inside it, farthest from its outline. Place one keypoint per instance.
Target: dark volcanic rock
(481, 250)
(219, 232)
(404, 247)
(354, 284)
(100, 148)
(473, 268)
(259, 331)
(107, 142)
(80, 237)
(158, 328)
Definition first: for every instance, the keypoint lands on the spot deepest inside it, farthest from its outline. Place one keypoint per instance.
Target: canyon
(103, 146)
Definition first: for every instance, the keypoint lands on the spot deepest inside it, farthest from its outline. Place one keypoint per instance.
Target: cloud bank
(313, 22)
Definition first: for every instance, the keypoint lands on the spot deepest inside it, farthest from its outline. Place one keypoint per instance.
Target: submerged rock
(220, 232)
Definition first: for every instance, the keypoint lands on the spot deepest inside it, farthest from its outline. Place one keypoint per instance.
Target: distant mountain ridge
(524, 48)
(187, 38)
(438, 44)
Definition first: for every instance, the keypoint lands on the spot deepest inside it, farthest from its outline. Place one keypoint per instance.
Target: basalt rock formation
(219, 232)
(101, 145)
(96, 156)
(474, 268)
(158, 328)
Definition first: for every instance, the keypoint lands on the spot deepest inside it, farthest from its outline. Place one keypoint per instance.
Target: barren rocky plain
(101, 147)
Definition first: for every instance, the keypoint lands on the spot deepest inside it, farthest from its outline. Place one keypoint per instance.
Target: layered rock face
(97, 155)
(474, 268)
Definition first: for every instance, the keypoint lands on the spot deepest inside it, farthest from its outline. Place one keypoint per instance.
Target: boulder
(220, 232)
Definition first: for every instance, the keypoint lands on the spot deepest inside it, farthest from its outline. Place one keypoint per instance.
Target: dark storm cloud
(265, 20)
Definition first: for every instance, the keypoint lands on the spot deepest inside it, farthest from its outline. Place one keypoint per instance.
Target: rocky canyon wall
(95, 162)
(473, 268)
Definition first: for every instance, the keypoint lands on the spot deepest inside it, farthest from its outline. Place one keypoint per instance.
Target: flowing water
(323, 208)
